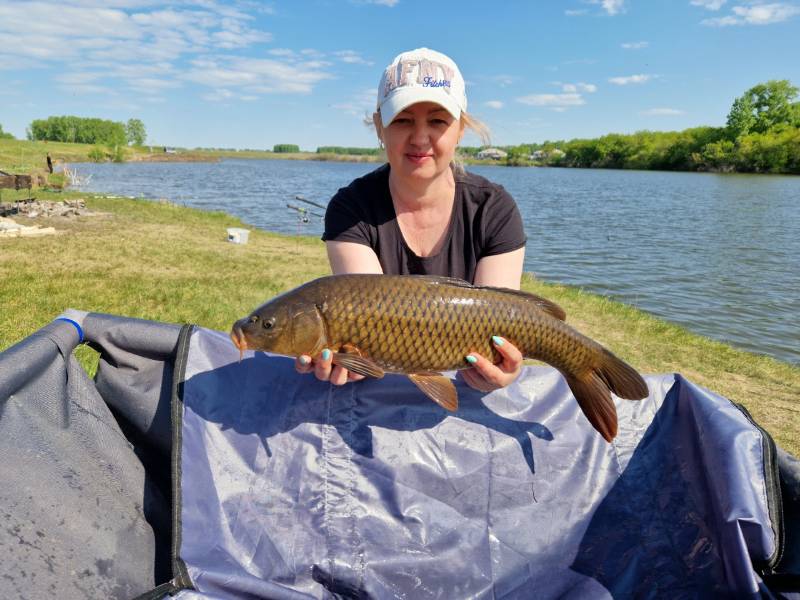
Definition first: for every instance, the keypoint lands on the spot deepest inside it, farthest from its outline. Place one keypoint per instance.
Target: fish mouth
(239, 340)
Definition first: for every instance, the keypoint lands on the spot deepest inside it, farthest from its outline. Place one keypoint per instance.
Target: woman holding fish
(423, 214)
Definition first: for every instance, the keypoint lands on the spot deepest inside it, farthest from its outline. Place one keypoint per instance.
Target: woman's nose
(421, 133)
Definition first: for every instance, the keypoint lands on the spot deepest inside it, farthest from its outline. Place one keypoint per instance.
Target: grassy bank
(168, 263)
(22, 156)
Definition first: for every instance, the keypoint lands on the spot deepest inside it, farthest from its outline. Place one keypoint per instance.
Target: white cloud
(557, 102)
(662, 112)
(635, 45)
(257, 75)
(709, 4)
(496, 104)
(755, 14)
(576, 12)
(502, 79)
(352, 57)
(630, 79)
(389, 3)
(152, 46)
(572, 88)
(612, 7)
(360, 105)
(281, 52)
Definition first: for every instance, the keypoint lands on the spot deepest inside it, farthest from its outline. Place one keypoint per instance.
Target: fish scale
(422, 325)
(407, 329)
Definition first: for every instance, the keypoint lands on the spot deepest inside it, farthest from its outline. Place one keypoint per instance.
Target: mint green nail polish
(304, 360)
(471, 359)
(326, 354)
(497, 340)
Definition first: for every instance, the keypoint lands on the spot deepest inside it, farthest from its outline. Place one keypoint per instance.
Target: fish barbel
(421, 325)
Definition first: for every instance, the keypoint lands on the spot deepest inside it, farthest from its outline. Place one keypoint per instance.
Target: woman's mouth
(418, 158)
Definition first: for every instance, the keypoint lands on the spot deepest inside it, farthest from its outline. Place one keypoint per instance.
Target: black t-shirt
(485, 221)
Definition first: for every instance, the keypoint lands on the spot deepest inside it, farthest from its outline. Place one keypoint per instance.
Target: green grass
(160, 261)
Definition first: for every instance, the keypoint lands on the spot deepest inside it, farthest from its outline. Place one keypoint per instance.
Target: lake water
(719, 254)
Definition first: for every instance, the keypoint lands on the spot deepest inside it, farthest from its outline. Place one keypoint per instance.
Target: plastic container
(238, 235)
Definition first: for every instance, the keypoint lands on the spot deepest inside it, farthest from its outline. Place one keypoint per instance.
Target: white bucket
(238, 235)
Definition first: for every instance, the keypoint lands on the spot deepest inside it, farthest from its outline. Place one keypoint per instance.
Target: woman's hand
(485, 376)
(324, 369)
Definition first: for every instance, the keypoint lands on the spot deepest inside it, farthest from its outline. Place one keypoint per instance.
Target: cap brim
(405, 97)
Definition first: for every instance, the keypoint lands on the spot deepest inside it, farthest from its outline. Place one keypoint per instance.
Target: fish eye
(268, 324)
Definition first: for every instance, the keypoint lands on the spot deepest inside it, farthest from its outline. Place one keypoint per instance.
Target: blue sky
(246, 74)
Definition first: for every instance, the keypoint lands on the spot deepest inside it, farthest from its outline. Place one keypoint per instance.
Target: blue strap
(77, 326)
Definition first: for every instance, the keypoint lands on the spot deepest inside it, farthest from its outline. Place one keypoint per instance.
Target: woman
(421, 213)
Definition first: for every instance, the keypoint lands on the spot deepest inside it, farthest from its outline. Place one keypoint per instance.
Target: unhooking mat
(268, 484)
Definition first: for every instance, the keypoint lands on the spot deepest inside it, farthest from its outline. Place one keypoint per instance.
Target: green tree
(5, 135)
(78, 130)
(763, 107)
(135, 132)
(286, 148)
(741, 118)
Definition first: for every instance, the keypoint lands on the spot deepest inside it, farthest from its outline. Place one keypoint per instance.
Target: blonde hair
(467, 122)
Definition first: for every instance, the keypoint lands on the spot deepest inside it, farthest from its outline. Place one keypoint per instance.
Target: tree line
(82, 130)
(761, 135)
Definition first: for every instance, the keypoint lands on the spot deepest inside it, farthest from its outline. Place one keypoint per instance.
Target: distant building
(542, 154)
(493, 153)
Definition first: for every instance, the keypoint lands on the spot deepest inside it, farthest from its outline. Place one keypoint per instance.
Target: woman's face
(421, 141)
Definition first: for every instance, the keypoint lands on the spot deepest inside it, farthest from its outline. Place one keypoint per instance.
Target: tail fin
(621, 378)
(593, 391)
(594, 398)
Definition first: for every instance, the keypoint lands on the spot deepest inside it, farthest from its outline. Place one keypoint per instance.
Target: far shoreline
(30, 158)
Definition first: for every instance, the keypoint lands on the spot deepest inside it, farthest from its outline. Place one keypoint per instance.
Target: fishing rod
(303, 199)
(302, 210)
(303, 213)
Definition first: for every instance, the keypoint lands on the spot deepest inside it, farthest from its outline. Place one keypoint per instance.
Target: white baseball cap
(421, 75)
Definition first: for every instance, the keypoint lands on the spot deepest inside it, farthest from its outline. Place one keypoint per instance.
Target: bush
(118, 154)
(348, 151)
(97, 155)
(285, 148)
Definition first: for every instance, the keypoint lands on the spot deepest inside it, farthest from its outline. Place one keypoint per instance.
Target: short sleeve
(502, 225)
(344, 221)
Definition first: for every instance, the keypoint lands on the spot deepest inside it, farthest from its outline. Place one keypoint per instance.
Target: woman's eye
(402, 121)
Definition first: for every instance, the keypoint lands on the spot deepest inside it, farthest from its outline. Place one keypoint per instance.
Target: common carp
(421, 325)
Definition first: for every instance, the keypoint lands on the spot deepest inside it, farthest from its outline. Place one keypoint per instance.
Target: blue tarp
(290, 485)
(181, 470)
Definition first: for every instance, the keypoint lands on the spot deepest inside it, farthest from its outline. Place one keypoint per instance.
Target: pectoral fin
(438, 388)
(357, 364)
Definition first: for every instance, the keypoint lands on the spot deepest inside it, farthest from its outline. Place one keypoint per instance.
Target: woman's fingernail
(497, 340)
(304, 360)
(471, 359)
(326, 354)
